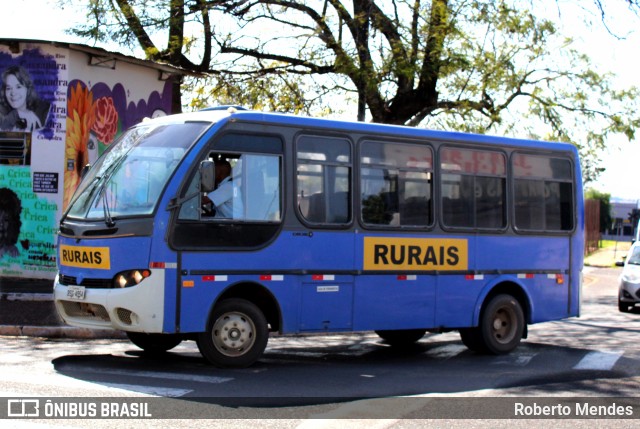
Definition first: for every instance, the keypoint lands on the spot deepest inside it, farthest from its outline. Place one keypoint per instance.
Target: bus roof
(218, 115)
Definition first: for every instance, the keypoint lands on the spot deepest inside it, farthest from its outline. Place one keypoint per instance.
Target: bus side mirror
(207, 176)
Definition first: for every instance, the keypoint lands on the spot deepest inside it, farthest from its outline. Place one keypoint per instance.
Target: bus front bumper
(137, 309)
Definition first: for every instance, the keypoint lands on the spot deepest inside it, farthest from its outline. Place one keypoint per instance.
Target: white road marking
(599, 360)
(446, 352)
(166, 392)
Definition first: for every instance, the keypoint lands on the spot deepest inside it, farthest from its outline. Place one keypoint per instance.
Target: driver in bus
(222, 197)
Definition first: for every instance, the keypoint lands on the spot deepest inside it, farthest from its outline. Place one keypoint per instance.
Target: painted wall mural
(54, 121)
(95, 117)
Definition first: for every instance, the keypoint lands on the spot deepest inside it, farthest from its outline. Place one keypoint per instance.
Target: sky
(45, 20)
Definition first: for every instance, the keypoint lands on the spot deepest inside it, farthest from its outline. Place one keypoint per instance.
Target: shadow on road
(294, 373)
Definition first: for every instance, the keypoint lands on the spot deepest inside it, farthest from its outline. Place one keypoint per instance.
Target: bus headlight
(130, 278)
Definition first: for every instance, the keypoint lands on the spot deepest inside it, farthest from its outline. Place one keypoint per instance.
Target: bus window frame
(566, 156)
(359, 177)
(440, 172)
(316, 133)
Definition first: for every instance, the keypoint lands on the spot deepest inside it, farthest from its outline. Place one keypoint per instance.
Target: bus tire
(236, 335)
(154, 343)
(472, 338)
(401, 337)
(501, 324)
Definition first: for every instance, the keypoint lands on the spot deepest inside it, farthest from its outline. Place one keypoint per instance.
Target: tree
(606, 220)
(468, 65)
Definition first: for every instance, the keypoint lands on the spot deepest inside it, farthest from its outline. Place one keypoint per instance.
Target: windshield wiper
(104, 178)
(108, 220)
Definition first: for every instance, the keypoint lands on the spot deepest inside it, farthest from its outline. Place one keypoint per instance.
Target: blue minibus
(328, 226)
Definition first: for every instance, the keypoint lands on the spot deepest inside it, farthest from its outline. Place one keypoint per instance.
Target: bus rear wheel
(501, 327)
(236, 334)
(154, 343)
(401, 337)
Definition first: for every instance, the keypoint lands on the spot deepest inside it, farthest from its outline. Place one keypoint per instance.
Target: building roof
(101, 57)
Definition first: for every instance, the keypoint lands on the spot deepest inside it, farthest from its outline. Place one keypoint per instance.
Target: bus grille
(89, 283)
(124, 316)
(84, 310)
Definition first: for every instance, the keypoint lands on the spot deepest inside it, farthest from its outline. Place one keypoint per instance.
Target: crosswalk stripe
(515, 359)
(446, 352)
(598, 360)
(167, 392)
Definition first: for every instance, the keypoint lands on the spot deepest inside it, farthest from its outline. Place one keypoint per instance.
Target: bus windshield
(128, 179)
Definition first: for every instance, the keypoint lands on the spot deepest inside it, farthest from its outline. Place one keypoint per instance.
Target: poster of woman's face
(21, 108)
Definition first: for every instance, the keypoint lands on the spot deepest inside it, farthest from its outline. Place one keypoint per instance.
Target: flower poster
(95, 117)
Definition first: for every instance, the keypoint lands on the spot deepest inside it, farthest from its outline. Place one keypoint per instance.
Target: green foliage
(498, 66)
(606, 209)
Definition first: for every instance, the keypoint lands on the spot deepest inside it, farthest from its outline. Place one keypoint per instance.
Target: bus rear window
(543, 193)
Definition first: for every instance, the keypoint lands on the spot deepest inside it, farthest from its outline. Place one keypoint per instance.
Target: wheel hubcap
(504, 326)
(233, 334)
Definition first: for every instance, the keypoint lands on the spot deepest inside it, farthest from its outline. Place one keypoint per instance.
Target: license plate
(75, 292)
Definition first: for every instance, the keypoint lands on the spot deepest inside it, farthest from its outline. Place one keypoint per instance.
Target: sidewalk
(607, 257)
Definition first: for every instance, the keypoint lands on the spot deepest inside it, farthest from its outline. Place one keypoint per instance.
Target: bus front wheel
(501, 327)
(236, 334)
(154, 343)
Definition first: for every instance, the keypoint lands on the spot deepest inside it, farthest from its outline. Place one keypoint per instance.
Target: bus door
(325, 242)
(221, 247)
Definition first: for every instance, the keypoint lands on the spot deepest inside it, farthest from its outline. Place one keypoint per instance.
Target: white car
(629, 293)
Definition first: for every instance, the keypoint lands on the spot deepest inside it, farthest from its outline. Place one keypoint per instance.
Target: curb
(25, 296)
(50, 328)
(60, 332)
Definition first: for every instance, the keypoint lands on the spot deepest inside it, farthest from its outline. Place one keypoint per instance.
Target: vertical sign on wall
(32, 95)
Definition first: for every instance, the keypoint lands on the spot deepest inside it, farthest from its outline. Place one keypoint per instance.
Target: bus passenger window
(324, 179)
(543, 193)
(473, 188)
(396, 184)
